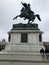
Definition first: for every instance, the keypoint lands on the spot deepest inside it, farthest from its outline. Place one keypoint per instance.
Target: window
(9, 38)
(24, 37)
(40, 38)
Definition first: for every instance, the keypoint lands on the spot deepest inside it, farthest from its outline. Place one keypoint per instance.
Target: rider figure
(26, 10)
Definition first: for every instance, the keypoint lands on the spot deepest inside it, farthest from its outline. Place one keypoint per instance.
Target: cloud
(11, 8)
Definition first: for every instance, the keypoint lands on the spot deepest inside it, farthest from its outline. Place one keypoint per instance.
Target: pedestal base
(27, 53)
(23, 48)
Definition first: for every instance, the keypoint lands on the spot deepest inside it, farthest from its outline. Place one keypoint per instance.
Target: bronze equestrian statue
(27, 13)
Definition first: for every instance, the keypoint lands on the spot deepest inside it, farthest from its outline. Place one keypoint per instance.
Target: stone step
(27, 57)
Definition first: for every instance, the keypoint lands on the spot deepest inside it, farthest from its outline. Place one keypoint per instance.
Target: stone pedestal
(25, 37)
(25, 42)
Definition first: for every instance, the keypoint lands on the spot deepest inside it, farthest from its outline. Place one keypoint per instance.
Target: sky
(11, 8)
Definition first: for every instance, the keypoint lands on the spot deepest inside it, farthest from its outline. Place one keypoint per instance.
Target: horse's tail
(38, 16)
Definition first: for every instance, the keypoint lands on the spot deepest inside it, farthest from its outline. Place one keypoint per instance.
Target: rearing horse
(27, 13)
(30, 18)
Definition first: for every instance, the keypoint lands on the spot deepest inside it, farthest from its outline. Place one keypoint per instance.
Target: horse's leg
(32, 20)
(16, 17)
(28, 21)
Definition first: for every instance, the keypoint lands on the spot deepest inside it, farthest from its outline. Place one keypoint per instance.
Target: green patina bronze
(27, 13)
(21, 26)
